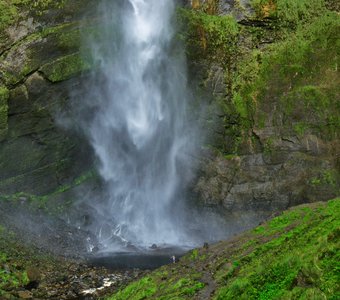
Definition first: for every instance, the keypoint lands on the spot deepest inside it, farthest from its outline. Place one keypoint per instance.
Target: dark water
(152, 259)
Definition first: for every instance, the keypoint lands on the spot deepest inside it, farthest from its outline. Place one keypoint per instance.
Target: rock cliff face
(39, 58)
(269, 70)
(272, 70)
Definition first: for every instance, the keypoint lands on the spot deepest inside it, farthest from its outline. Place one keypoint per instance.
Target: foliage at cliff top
(289, 12)
(292, 256)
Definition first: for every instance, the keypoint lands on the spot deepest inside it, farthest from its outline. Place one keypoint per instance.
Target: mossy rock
(38, 49)
(18, 101)
(42, 51)
(12, 12)
(37, 40)
(65, 68)
(293, 84)
(40, 166)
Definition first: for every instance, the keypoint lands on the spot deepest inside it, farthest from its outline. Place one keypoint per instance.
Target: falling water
(137, 123)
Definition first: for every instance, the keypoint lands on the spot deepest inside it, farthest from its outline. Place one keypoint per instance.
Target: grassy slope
(293, 256)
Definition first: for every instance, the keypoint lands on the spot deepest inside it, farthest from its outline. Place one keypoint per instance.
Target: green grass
(16, 259)
(161, 285)
(300, 262)
(139, 290)
(156, 286)
(12, 275)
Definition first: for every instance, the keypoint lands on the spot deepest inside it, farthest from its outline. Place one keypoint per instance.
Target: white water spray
(138, 124)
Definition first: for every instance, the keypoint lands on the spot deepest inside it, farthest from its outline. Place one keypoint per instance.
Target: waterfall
(137, 123)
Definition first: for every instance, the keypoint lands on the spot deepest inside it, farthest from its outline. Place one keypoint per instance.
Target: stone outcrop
(39, 61)
(281, 148)
(269, 181)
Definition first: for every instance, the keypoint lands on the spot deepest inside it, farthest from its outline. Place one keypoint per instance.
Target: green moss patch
(214, 38)
(8, 14)
(65, 67)
(10, 276)
(43, 201)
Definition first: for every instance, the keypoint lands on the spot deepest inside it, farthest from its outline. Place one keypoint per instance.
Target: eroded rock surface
(39, 59)
(272, 119)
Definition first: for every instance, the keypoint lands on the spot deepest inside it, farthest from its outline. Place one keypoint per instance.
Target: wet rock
(37, 168)
(23, 200)
(33, 274)
(25, 295)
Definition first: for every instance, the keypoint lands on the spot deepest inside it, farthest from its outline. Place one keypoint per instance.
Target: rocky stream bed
(49, 263)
